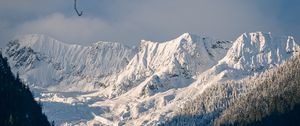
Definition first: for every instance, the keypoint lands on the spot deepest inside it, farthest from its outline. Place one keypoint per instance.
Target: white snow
(169, 64)
(51, 64)
(111, 84)
(250, 54)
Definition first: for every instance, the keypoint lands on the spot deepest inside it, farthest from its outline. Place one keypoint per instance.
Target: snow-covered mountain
(132, 86)
(251, 54)
(48, 63)
(173, 64)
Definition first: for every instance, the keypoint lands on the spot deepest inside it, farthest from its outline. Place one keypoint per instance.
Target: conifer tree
(17, 104)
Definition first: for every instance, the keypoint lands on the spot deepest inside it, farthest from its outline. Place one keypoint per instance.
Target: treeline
(17, 104)
(277, 93)
(206, 107)
(258, 100)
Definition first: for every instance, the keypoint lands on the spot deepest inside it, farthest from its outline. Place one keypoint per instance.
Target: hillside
(46, 63)
(17, 104)
(271, 98)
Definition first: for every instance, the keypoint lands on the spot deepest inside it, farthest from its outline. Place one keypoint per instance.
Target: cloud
(129, 21)
(70, 29)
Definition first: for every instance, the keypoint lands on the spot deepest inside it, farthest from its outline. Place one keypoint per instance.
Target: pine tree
(17, 104)
(271, 98)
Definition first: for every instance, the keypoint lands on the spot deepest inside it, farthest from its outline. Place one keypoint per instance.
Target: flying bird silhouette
(75, 7)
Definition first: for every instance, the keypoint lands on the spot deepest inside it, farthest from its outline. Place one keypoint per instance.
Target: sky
(129, 21)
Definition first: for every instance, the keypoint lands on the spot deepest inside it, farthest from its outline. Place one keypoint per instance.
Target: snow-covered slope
(173, 64)
(254, 51)
(140, 87)
(48, 63)
(250, 54)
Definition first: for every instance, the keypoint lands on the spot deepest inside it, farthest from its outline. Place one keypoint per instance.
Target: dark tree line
(17, 104)
(272, 98)
(274, 101)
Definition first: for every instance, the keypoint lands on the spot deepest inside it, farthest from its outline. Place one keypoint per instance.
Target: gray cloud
(129, 21)
(71, 29)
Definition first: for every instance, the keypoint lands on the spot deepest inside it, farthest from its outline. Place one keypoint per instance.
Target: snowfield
(108, 83)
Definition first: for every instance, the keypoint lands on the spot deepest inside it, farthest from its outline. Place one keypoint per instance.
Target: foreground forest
(272, 98)
(17, 104)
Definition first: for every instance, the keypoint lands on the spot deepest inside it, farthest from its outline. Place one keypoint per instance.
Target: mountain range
(108, 83)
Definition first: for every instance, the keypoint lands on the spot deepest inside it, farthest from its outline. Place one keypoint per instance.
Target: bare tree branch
(75, 7)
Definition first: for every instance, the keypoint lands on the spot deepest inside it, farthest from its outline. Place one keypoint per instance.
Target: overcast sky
(129, 21)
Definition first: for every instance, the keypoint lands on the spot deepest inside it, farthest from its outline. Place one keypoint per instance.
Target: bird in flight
(75, 7)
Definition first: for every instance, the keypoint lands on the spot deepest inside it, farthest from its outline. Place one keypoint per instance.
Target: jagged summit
(253, 53)
(47, 63)
(182, 39)
(33, 40)
(38, 40)
(188, 37)
(182, 57)
(258, 49)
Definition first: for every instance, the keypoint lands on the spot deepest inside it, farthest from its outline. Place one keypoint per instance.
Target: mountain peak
(178, 41)
(254, 35)
(259, 50)
(40, 42)
(54, 63)
(188, 37)
(260, 33)
(32, 39)
(183, 57)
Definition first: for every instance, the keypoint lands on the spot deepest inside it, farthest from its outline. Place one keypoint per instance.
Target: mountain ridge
(73, 61)
(251, 54)
(145, 86)
(184, 56)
